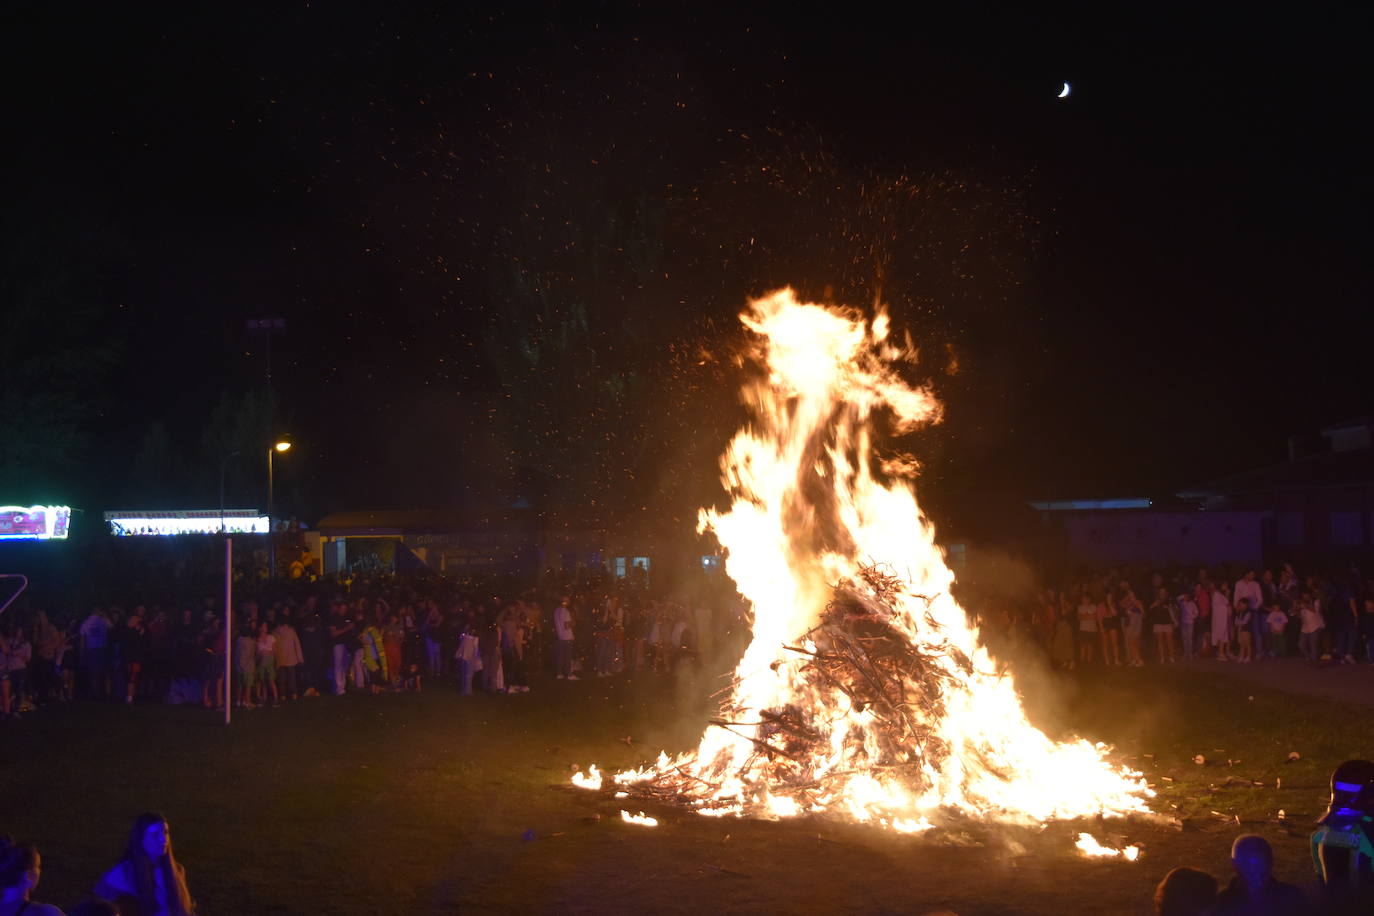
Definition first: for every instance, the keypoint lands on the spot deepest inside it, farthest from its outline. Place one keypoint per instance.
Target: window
(618, 567)
(1347, 529)
(1289, 528)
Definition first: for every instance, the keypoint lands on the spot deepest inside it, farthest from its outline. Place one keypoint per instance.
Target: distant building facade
(1315, 508)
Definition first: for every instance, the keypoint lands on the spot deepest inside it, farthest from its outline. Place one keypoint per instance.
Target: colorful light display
(34, 523)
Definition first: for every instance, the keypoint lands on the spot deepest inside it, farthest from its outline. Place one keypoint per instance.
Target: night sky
(509, 244)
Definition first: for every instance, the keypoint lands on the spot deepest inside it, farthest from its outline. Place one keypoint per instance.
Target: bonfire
(865, 692)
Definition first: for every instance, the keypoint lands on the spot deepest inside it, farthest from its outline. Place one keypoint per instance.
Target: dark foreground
(422, 804)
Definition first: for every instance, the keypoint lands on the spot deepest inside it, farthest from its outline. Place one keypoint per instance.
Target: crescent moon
(1065, 93)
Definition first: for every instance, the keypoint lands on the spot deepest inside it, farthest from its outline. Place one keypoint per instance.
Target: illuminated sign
(35, 523)
(158, 523)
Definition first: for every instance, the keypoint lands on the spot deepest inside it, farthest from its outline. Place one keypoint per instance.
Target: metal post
(271, 529)
(228, 627)
(223, 466)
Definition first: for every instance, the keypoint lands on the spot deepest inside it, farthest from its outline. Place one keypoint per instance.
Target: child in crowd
(1277, 623)
(1244, 618)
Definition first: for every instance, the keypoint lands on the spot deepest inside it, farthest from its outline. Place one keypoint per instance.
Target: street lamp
(282, 445)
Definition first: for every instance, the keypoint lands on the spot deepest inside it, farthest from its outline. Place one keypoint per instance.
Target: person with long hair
(20, 868)
(149, 875)
(1109, 627)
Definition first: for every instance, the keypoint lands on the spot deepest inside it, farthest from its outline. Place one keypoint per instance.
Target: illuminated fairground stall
(163, 523)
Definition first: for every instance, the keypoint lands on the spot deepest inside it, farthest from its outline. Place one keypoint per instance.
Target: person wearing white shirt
(1277, 622)
(563, 640)
(1221, 622)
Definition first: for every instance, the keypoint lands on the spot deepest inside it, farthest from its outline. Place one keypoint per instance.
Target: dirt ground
(440, 803)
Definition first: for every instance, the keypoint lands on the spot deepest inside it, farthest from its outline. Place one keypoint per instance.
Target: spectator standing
(1289, 587)
(340, 632)
(1087, 627)
(511, 624)
(1312, 625)
(8, 702)
(95, 657)
(1187, 624)
(1134, 613)
(1161, 619)
(1367, 627)
(20, 658)
(393, 636)
(246, 663)
(1202, 596)
(1061, 645)
(563, 640)
(212, 664)
(266, 673)
(290, 658)
(431, 625)
(1249, 588)
(469, 658)
(1276, 621)
(132, 643)
(489, 643)
(149, 875)
(372, 653)
(1342, 620)
(1221, 622)
(1245, 619)
(1109, 627)
(313, 674)
(48, 643)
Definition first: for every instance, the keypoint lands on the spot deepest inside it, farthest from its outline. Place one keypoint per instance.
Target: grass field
(418, 804)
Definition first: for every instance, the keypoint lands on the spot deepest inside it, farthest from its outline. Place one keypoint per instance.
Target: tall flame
(808, 512)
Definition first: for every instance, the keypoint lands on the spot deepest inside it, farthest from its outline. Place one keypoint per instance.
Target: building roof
(1324, 470)
(383, 522)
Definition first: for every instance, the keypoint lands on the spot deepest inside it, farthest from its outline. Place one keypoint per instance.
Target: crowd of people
(365, 636)
(1131, 617)
(146, 880)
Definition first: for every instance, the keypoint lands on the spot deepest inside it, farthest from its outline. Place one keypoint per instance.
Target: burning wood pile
(862, 693)
(859, 650)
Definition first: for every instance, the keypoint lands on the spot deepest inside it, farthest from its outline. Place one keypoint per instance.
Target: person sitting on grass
(149, 876)
(20, 868)
(1254, 888)
(1185, 892)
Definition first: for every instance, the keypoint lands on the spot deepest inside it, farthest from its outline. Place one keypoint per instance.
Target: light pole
(281, 446)
(223, 466)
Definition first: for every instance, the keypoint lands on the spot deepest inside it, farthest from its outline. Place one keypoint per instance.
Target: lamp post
(223, 466)
(281, 446)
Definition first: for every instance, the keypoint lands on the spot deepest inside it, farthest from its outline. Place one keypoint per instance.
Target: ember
(1089, 846)
(865, 691)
